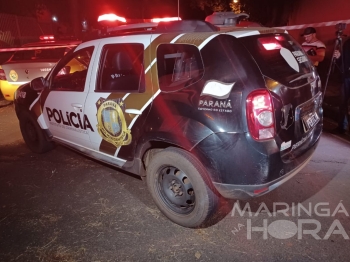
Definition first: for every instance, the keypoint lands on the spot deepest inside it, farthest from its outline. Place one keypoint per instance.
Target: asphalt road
(62, 206)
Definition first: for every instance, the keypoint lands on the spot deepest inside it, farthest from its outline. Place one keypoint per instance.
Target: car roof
(218, 22)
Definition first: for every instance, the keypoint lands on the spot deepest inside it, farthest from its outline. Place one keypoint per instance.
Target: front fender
(24, 97)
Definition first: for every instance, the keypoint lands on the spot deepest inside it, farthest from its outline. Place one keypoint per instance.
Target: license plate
(310, 120)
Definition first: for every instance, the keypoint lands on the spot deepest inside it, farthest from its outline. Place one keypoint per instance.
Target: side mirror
(38, 84)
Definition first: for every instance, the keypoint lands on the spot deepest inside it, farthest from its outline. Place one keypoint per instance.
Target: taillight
(260, 115)
(2, 74)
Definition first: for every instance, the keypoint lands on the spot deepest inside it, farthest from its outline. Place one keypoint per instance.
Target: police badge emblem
(13, 75)
(111, 124)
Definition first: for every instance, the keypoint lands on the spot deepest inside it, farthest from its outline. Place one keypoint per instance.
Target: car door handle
(133, 111)
(77, 106)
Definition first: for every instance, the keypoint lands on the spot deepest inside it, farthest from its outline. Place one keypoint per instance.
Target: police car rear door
(120, 95)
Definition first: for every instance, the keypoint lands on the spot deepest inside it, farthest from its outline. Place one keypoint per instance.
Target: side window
(178, 65)
(71, 75)
(121, 68)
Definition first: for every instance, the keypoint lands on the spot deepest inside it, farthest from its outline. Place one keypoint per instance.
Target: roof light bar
(111, 17)
(46, 37)
(165, 19)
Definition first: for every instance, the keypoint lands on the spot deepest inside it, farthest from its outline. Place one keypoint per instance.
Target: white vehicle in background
(30, 61)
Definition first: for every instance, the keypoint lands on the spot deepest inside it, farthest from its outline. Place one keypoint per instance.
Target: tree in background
(42, 13)
(266, 12)
(236, 6)
(269, 12)
(210, 6)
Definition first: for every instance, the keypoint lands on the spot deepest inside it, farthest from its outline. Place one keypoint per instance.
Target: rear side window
(280, 58)
(39, 54)
(227, 61)
(179, 66)
(121, 68)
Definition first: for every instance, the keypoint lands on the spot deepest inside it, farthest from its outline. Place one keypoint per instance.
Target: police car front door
(63, 102)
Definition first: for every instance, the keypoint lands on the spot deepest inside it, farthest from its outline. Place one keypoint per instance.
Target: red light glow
(46, 37)
(165, 19)
(270, 43)
(279, 38)
(272, 46)
(111, 17)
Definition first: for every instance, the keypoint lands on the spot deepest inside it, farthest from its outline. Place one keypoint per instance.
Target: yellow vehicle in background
(31, 61)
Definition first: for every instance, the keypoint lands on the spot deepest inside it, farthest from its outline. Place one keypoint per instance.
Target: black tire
(33, 134)
(169, 173)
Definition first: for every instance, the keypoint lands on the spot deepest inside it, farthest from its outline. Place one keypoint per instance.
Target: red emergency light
(111, 17)
(46, 37)
(270, 43)
(280, 38)
(165, 19)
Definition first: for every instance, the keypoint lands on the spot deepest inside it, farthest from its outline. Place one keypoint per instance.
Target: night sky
(90, 9)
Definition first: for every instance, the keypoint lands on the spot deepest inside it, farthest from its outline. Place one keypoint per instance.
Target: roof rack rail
(168, 26)
(186, 26)
(140, 27)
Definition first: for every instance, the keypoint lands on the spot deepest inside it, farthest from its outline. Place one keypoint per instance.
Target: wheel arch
(37, 139)
(151, 147)
(147, 150)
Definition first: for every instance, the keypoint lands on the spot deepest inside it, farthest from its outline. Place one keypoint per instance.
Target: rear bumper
(243, 192)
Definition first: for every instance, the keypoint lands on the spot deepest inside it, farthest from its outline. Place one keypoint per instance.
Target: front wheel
(181, 188)
(33, 134)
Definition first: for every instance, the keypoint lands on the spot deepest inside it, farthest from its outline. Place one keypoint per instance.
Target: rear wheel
(181, 188)
(33, 134)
